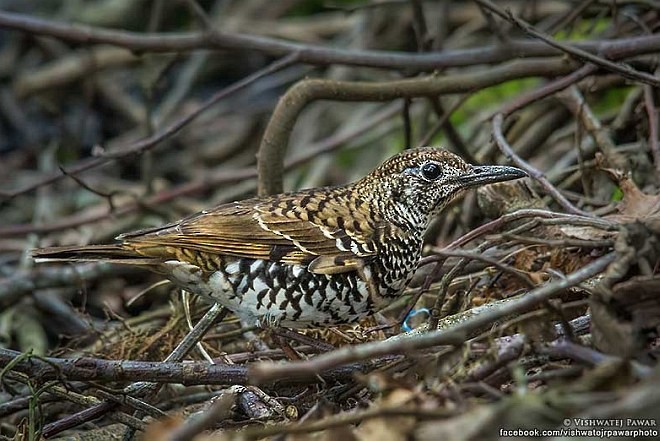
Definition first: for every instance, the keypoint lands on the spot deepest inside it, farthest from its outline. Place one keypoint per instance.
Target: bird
(317, 257)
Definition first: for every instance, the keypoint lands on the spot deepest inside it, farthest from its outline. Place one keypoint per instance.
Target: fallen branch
(269, 371)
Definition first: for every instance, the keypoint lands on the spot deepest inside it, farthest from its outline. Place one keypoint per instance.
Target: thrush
(316, 257)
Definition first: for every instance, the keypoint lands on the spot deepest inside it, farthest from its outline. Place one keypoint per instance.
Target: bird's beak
(488, 174)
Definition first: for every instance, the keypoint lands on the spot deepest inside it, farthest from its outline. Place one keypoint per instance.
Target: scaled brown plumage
(315, 257)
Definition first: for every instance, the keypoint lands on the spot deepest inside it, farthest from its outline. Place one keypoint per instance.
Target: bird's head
(415, 185)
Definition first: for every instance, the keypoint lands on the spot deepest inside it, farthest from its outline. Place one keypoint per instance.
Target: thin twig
(187, 372)
(529, 212)
(574, 100)
(547, 89)
(218, 178)
(651, 110)
(160, 135)
(466, 254)
(312, 54)
(564, 243)
(622, 69)
(531, 170)
(219, 409)
(274, 143)
(185, 346)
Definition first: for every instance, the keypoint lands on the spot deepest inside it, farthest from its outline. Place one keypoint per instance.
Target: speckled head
(416, 184)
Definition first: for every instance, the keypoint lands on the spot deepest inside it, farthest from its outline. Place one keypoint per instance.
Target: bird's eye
(431, 171)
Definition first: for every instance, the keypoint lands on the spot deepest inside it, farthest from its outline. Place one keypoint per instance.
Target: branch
(533, 171)
(311, 54)
(188, 373)
(575, 102)
(272, 151)
(269, 371)
(216, 312)
(152, 141)
(585, 56)
(19, 285)
(498, 223)
(548, 89)
(276, 137)
(216, 179)
(652, 112)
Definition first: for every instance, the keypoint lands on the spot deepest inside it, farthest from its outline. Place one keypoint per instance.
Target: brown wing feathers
(115, 252)
(269, 230)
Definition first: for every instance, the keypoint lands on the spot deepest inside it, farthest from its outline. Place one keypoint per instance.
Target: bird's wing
(295, 228)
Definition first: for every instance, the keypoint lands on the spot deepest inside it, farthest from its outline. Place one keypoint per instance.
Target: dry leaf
(635, 205)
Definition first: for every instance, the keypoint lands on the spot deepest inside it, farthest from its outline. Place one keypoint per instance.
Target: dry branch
(312, 54)
(264, 372)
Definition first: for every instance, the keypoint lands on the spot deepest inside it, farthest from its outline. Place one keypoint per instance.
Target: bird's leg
(282, 342)
(282, 336)
(291, 334)
(270, 324)
(428, 280)
(374, 294)
(401, 319)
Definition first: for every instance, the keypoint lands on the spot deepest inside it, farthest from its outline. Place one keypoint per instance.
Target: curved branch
(533, 171)
(312, 54)
(276, 137)
(270, 161)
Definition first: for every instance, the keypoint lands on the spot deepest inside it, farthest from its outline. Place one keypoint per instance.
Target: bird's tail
(92, 253)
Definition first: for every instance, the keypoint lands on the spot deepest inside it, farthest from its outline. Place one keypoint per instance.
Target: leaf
(635, 204)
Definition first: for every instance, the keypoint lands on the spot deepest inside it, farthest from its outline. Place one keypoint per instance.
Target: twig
(160, 135)
(12, 289)
(200, 15)
(500, 33)
(197, 423)
(529, 212)
(447, 278)
(622, 69)
(567, 349)
(312, 54)
(189, 342)
(270, 164)
(465, 254)
(533, 171)
(419, 25)
(344, 419)
(441, 123)
(63, 394)
(574, 100)
(568, 242)
(109, 196)
(189, 373)
(510, 347)
(547, 89)
(268, 371)
(569, 16)
(275, 140)
(223, 176)
(407, 125)
(453, 136)
(651, 110)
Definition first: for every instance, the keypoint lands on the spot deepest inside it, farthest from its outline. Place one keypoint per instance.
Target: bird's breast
(398, 256)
